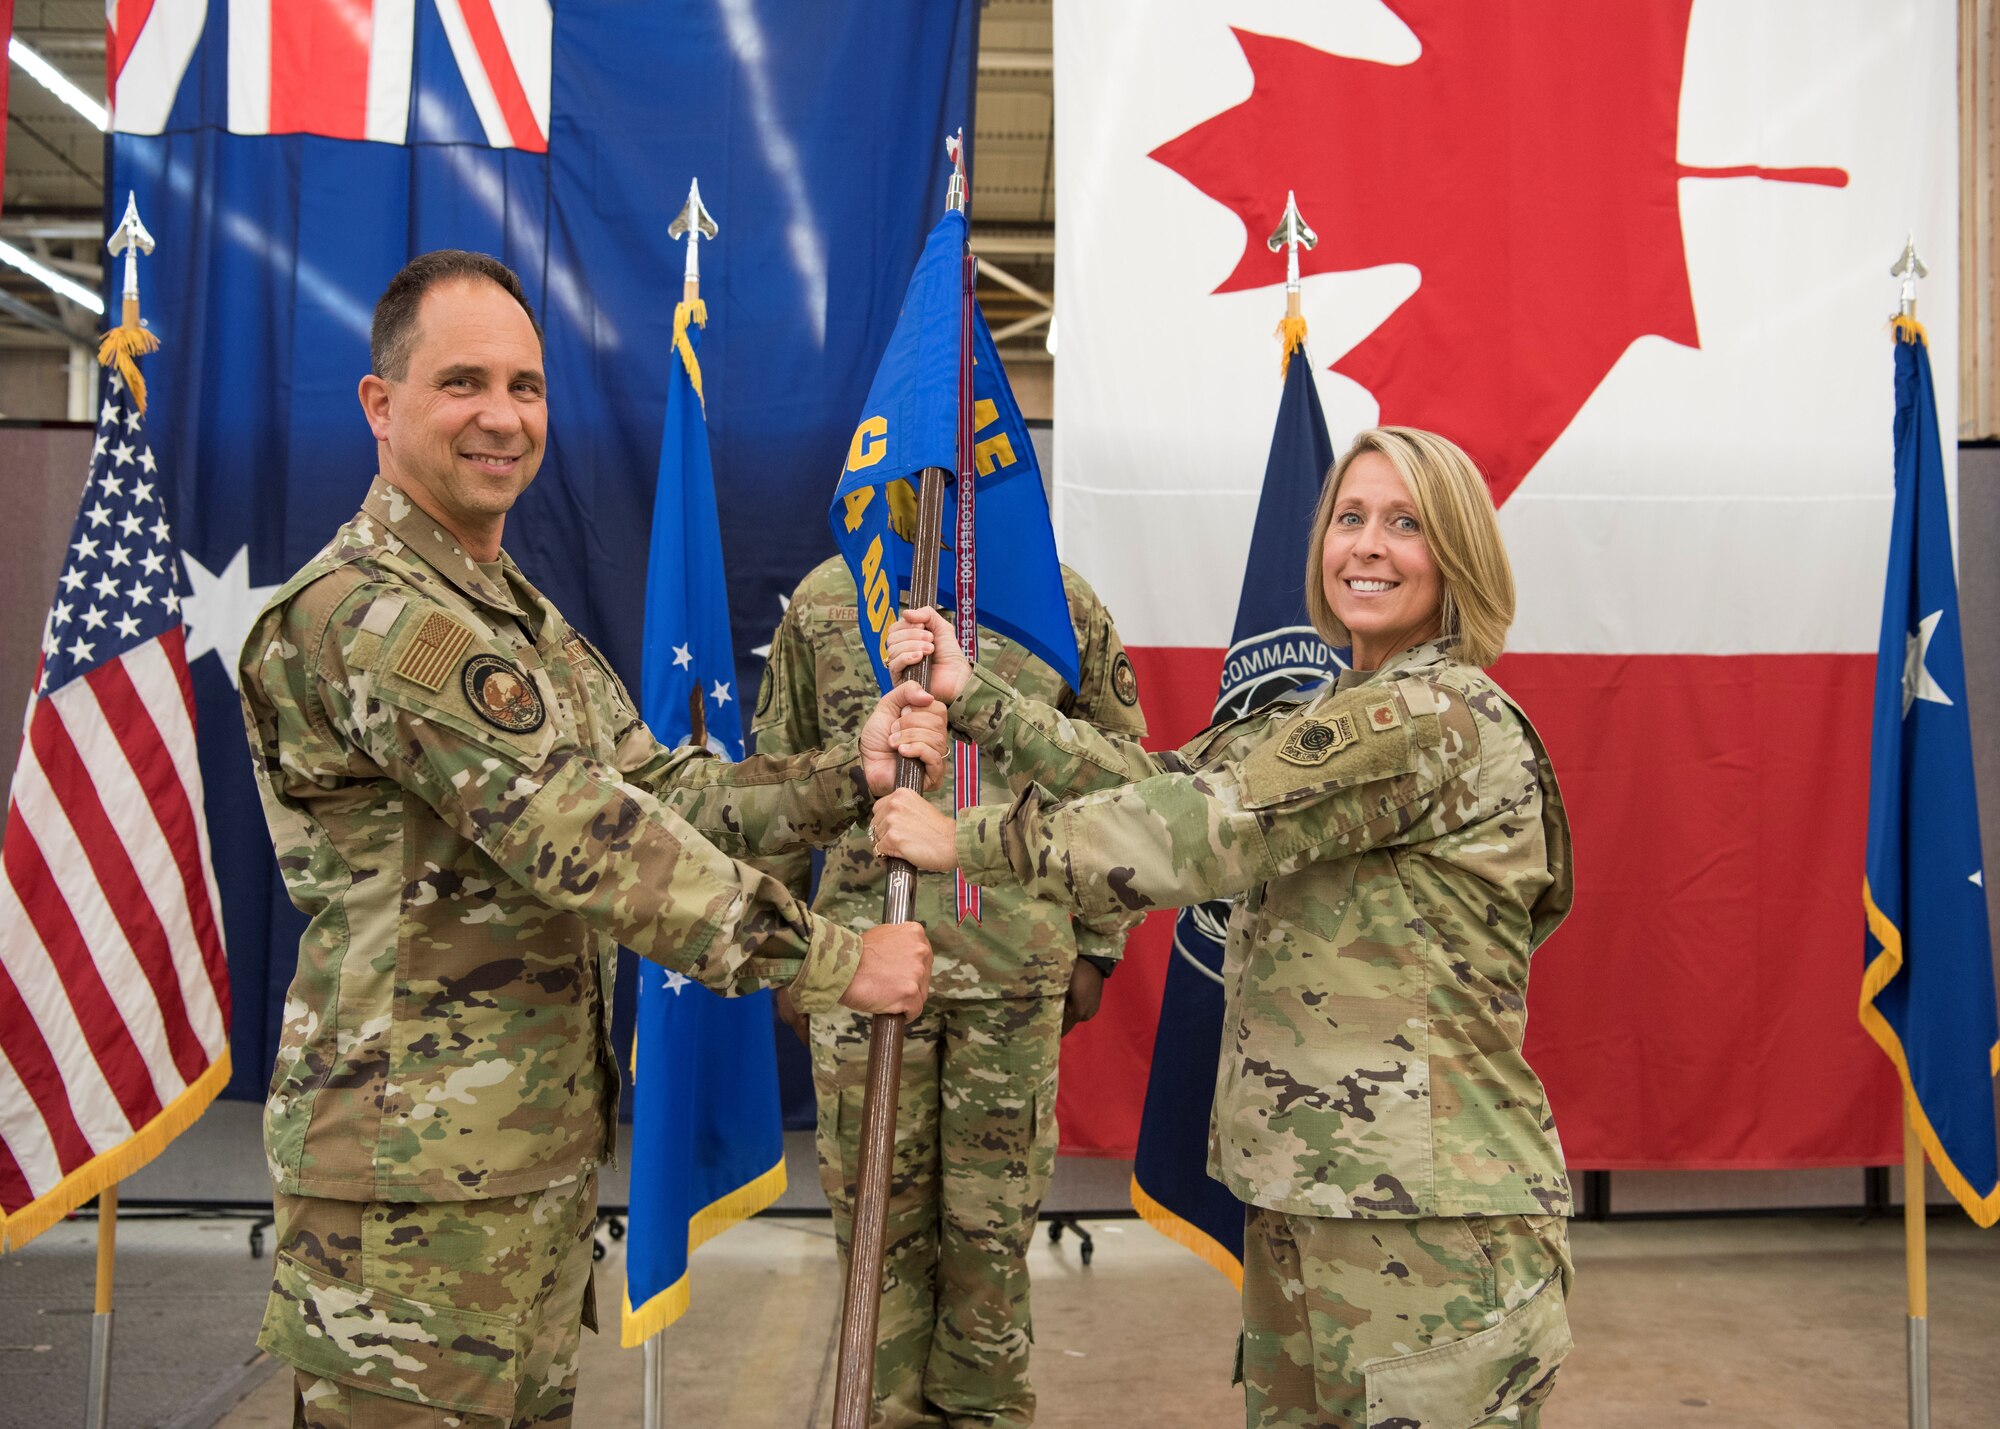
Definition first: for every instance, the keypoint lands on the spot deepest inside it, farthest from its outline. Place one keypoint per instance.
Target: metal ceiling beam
(1015, 245)
(1017, 61)
(1008, 280)
(34, 317)
(1025, 325)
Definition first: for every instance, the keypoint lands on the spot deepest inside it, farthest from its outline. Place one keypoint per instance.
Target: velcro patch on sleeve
(1382, 714)
(429, 655)
(1320, 752)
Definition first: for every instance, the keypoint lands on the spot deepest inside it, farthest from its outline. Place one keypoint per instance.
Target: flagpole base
(1920, 1372)
(97, 1403)
(654, 1411)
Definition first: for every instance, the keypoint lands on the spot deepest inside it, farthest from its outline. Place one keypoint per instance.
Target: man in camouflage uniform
(1399, 847)
(471, 813)
(975, 1122)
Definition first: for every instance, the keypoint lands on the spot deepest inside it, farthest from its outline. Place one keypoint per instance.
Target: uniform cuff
(833, 956)
(982, 851)
(981, 706)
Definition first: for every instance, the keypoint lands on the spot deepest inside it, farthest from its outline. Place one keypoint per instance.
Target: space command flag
(1275, 653)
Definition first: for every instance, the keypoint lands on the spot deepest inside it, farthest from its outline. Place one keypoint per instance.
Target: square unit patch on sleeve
(433, 651)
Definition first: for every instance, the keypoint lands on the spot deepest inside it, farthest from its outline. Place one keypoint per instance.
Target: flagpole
(1915, 1265)
(97, 1402)
(861, 1301)
(1915, 1259)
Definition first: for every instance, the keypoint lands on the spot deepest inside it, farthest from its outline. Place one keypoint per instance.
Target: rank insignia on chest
(1314, 741)
(1382, 715)
(428, 657)
(501, 695)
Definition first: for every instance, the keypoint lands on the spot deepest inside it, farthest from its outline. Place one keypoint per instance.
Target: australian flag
(291, 157)
(1274, 652)
(1927, 995)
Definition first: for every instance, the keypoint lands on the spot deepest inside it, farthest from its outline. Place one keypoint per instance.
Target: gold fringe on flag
(123, 345)
(1292, 332)
(1908, 329)
(696, 311)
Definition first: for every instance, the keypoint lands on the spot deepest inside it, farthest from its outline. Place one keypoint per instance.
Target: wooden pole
(1916, 1269)
(97, 1403)
(861, 1305)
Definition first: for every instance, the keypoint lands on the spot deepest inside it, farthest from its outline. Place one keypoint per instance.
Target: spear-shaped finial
(695, 224)
(955, 195)
(1909, 268)
(1291, 235)
(125, 343)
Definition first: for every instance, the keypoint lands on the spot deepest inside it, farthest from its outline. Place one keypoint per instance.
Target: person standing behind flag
(975, 1123)
(469, 810)
(1400, 848)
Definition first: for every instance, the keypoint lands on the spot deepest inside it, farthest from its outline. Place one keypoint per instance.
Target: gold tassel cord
(691, 311)
(1908, 329)
(1292, 332)
(124, 345)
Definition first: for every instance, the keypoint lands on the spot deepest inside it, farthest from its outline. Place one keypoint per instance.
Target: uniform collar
(1417, 660)
(391, 521)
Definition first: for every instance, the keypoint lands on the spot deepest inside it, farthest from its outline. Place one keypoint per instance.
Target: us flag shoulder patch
(433, 651)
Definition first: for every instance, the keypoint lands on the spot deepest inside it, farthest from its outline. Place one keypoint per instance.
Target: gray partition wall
(42, 470)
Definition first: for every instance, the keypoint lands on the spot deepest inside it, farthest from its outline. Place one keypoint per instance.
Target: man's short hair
(394, 331)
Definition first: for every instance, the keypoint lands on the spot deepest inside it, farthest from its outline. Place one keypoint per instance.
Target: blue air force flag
(1274, 652)
(1927, 996)
(910, 422)
(707, 1144)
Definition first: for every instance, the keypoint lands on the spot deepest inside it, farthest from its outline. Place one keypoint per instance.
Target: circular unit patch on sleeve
(1124, 680)
(501, 695)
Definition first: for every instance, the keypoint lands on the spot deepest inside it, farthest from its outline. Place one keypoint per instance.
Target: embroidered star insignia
(1917, 681)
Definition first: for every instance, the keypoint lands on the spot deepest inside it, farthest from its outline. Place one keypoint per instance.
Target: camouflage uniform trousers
(1434, 1323)
(453, 1314)
(975, 1145)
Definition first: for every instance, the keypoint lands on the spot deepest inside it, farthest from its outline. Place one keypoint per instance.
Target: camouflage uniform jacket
(820, 685)
(473, 818)
(1399, 847)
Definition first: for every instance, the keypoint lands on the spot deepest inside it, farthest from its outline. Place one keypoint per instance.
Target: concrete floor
(1743, 1322)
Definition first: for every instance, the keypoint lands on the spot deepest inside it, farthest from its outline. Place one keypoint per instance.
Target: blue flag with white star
(707, 1143)
(1927, 993)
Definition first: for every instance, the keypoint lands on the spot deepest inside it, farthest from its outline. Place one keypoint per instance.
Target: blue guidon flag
(1274, 654)
(910, 422)
(1927, 994)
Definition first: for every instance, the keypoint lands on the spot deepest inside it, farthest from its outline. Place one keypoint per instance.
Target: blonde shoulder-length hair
(1459, 525)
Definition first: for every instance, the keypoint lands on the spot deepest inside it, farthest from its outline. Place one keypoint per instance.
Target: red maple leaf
(1526, 164)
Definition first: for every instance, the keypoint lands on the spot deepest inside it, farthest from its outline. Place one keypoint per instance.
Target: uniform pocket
(462, 1360)
(1465, 1382)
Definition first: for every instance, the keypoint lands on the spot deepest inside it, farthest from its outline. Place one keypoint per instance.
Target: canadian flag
(339, 68)
(1635, 259)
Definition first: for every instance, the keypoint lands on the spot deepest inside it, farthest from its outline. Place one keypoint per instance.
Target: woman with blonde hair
(1397, 847)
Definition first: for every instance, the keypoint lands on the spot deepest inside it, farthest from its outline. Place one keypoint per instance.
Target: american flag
(114, 992)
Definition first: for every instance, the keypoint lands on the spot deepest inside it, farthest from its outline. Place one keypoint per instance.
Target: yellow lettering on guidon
(879, 604)
(863, 452)
(854, 503)
(996, 450)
